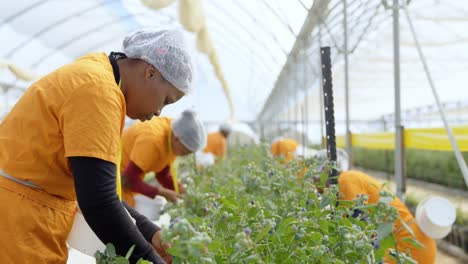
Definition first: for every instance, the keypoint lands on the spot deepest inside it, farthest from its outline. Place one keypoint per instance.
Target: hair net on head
(166, 51)
(276, 139)
(225, 127)
(190, 130)
(304, 152)
(342, 160)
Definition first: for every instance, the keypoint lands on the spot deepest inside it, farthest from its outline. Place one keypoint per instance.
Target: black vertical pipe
(329, 109)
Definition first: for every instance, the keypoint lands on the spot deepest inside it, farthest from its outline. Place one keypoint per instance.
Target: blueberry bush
(251, 209)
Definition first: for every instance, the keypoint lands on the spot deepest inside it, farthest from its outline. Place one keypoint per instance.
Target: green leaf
(252, 212)
(98, 255)
(407, 228)
(346, 222)
(284, 224)
(383, 230)
(316, 237)
(385, 244)
(215, 246)
(324, 225)
(142, 261)
(174, 251)
(121, 260)
(414, 242)
(110, 250)
(351, 254)
(346, 203)
(232, 206)
(325, 202)
(262, 234)
(130, 251)
(323, 178)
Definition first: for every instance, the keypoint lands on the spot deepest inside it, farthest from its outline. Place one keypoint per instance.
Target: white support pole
(296, 93)
(306, 96)
(451, 136)
(399, 159)
(348, 131)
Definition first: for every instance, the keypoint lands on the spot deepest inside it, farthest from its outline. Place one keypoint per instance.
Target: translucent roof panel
(252, 39)
(440, 28)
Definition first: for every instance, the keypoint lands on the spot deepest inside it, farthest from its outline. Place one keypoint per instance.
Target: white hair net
(225, 127)
(190, 130)
(166, 51)
(342, 160)
(305, 152)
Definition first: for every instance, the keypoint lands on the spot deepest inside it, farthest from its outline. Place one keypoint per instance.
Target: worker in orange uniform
(217, 141)
(284, 148)
(59, 145)
(352, 184)
(152, 147)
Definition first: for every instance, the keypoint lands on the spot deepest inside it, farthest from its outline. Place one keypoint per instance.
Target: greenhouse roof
(268, 50)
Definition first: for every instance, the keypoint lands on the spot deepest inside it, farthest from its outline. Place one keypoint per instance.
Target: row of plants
(251, 209)
(431, 166)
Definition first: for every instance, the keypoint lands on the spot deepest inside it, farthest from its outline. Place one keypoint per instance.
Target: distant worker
(352, 184)
(217, 141)
(284, 148)
(153, 146)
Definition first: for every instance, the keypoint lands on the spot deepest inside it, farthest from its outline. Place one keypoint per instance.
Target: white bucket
(148, 207)
(435, 217)
(82, 237)
(204, 159)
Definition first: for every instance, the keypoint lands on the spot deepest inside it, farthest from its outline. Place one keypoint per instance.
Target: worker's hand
(170, 195)
(161, 247)
(182, 189)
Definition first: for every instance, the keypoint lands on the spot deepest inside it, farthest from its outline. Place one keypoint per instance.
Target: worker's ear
(176, 138)
(150, 72)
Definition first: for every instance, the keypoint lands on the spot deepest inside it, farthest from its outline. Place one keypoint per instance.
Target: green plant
(110, 257)
(251, 209)
(432, 166)
(462, 217)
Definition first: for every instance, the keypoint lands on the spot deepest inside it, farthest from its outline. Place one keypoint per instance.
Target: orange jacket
(147, 144)
(352, 183)
(284, 148)
(216, 144)
(76, 111)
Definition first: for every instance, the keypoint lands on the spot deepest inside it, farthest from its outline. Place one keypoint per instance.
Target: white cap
(189, 129)
(225, 127)
(435, 217)
(276, 139)
(166, 51)
(342, 160)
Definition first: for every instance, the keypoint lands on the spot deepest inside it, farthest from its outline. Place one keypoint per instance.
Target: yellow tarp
(421, 138)
(436, 138)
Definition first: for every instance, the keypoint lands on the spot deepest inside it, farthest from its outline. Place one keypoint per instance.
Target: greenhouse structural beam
(54, 25)
(80, 36)
(346, 73)
(399, 158)
(23, 11)
(460, 160)
(303, 39)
